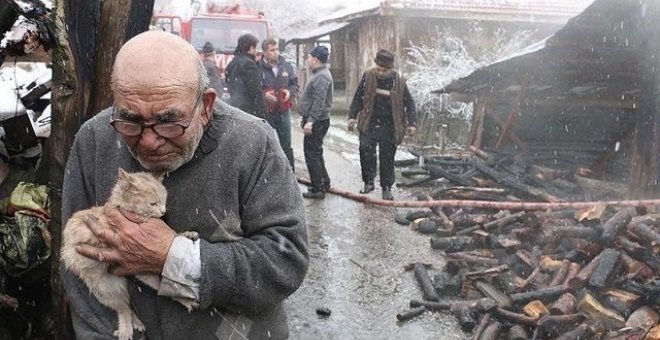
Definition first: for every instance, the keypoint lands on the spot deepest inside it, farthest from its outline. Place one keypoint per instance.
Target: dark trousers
(281, 122)
(313, 146)
(383, 137)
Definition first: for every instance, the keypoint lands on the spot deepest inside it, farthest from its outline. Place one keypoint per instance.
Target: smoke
(434, 66)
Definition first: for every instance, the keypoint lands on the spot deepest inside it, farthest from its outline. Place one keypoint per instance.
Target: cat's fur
(143, 194)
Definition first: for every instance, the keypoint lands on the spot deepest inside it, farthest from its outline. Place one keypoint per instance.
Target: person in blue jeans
(279, 84)
(314, 108)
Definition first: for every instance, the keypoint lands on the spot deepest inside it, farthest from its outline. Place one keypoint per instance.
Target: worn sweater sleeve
(270, 261)
(358, 98)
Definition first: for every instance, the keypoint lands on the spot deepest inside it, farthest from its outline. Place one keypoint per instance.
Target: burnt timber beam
(628, 104)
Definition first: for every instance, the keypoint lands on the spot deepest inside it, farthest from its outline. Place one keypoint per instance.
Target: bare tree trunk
(89, 36)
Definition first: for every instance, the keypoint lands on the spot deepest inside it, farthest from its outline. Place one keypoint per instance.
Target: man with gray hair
(252, 249)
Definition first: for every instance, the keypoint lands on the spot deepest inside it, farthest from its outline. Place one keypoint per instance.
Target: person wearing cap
(315, 107)
(212, 69)
(384, 112)
(244, 79)
(280, 87)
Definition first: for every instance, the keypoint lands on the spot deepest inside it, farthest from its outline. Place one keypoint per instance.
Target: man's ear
(209, 98)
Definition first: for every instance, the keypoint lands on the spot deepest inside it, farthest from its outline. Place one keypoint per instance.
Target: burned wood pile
(481, 175)
(567, 274)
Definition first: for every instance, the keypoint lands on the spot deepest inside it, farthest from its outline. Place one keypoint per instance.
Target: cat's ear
(159, 175)
(122, 174)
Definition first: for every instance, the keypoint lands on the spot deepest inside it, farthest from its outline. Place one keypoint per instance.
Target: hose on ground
(501, 205)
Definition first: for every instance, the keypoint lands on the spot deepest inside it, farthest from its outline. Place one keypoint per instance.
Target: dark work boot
(387, 194)
(368, 187)
(314, 194)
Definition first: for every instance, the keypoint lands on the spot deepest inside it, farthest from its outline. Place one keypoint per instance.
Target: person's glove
(411, 130)
(351, 124)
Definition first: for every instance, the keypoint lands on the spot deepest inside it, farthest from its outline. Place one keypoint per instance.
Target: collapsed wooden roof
(569, 100)
(593, 61)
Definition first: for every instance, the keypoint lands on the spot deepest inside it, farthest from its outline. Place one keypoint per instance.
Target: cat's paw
(137, 323)
(193, 235)
(124, 333)
(191, 305)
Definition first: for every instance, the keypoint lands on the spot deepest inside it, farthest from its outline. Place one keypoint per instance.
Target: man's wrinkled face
(148, 106)
(271, 53)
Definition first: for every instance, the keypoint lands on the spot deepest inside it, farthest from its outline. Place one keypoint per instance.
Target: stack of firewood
(568, 274)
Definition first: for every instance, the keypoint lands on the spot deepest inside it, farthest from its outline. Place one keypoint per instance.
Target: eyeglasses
(165, 129)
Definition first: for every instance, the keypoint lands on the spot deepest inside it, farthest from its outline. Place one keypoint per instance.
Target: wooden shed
(583, 98)
(397, 25)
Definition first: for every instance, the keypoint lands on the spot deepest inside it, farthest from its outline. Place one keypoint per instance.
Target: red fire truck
(220, 25)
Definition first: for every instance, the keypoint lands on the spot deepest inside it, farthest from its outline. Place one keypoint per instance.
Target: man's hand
(287, 95)
(133, 246)
(307, 128)
(411, 130)
(351, 124)
(270, 97)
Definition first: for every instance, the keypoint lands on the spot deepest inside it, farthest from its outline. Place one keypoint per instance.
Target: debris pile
(567, 274)
(481, 175)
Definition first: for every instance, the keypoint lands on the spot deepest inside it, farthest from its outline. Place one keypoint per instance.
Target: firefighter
(280, 87)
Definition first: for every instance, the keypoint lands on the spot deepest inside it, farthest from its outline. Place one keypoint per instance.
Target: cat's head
(140, 192)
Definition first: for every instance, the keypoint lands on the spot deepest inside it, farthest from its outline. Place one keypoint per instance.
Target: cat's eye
(153, 204)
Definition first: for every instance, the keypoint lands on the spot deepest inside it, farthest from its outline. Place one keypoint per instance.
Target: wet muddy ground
(357, 259)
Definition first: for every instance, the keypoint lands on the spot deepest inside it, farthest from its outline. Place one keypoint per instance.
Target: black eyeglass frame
(154, 126)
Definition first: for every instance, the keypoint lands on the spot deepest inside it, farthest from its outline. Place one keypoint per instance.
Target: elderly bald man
(224, 170)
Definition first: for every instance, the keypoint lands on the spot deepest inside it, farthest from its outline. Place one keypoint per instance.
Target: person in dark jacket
(243, 78)
(212, 69)
(280, 87)
(314, 108)
(385, 112)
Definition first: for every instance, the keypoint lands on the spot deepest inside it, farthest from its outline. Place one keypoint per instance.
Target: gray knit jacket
(239, 193)
(316, 101)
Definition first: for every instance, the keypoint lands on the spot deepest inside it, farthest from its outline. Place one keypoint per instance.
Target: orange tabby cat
(143, 194)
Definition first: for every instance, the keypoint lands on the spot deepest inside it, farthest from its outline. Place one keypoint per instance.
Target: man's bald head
(156, 59)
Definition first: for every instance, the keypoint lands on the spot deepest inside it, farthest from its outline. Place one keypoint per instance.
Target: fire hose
(501, 205)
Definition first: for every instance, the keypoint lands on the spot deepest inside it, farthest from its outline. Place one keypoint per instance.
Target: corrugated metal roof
(318, 32)
(539, 11)
(559, 7)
